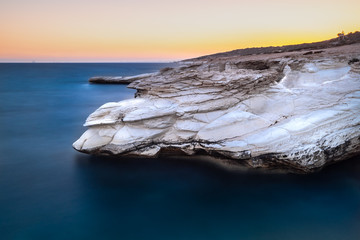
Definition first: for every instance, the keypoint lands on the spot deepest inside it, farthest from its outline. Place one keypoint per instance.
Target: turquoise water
(50, 191)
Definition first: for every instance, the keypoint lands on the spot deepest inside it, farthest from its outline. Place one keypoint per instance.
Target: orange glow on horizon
(108, 30)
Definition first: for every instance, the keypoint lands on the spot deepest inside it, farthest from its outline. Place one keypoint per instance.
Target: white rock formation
(280, 111)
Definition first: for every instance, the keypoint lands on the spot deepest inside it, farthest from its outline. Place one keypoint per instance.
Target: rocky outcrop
(285, 110)
(118, 80)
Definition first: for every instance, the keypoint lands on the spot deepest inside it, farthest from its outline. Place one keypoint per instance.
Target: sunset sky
(162, 30)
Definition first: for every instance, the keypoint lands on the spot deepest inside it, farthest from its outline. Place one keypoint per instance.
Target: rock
(118, 80)
(282, 110)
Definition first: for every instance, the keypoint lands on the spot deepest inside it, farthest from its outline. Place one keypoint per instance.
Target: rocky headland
(297, 110)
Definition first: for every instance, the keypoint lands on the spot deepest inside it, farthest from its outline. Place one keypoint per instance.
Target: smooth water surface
(50, 191)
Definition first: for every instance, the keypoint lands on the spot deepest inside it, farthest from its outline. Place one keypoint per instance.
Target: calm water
(49, 191)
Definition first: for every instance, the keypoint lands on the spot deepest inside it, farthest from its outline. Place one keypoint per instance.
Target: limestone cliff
(293, 110)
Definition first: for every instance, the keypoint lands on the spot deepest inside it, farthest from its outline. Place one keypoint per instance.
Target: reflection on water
(198, 199)
(49, 191)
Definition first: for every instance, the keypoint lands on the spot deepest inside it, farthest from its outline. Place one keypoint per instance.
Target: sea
(50, 191)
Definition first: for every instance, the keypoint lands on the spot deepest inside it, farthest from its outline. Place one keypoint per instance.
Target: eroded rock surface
(286, 110)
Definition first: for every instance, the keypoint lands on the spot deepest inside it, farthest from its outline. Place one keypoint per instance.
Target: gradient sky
(162, 30)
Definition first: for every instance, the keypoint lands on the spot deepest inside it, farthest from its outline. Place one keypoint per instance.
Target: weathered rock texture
(298, 111)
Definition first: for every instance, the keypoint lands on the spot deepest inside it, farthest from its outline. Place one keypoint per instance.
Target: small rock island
(294, 107)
